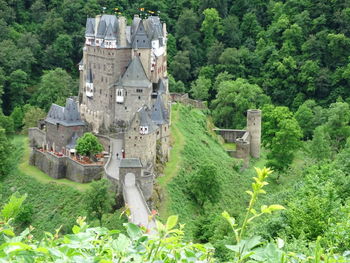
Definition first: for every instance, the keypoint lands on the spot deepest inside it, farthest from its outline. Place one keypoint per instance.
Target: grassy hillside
(50, 203)
(193, 146)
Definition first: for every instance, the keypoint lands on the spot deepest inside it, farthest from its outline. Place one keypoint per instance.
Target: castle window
(140, 53)
(139, 90)
(130, 136)
(144, 41)
(134, 129)
(134, 145)
(126, 107)
(139, 97)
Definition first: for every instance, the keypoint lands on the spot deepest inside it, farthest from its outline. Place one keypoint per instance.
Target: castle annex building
(123, 99)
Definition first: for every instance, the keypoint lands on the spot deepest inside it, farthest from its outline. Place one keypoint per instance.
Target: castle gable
(66, 116)
(135, 75)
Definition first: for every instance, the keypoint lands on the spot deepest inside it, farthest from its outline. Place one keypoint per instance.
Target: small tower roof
(110, 34)
(135, 75)
(101, 29)
(90, 27)
(145, 119)
(159, 114)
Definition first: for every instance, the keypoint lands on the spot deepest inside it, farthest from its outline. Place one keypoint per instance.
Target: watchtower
(254, 129)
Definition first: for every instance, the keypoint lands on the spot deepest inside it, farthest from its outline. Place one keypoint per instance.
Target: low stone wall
(37, 137)
(50, 164)
(184, 99)
(81, 173)
(146, 185)
(230, 135)
(64, 167)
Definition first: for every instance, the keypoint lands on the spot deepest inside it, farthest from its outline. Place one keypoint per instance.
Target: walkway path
(139, 212)
(132, 195)
(112, 168)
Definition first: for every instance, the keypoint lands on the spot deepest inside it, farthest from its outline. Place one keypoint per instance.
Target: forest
(290, 58)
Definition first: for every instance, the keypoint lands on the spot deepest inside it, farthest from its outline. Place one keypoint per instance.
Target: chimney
(122, 31)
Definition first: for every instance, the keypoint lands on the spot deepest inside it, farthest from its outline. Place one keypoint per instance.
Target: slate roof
(145, 119)
(130, 163)
(135, 75)
(107, 27)
(162, 86)
(73, 141)
(109, 34)
(66, 116)
(159, 114)
(153, 27)
(90, 27)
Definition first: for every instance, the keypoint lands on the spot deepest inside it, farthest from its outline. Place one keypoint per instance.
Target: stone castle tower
(254, 129)
(123, 68)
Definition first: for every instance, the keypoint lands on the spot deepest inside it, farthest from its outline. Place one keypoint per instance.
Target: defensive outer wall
(248, 142)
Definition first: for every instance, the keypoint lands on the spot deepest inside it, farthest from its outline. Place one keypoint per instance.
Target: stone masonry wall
(64, 167)
(50, 164)
(184, 99)
(37, 137)
(82, 173)
(140, 146)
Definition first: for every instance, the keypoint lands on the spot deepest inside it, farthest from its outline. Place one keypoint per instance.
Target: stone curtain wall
(184, 99)
(37, 137)
(64, 167)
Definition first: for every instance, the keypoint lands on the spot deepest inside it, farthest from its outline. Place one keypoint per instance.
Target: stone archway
(130, 179)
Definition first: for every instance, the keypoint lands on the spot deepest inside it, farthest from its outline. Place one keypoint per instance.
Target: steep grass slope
(49, 204)
(199, 146)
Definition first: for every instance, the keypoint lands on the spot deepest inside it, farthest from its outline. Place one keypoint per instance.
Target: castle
(123, 99)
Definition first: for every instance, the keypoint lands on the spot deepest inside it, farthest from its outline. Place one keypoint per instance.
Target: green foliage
(175, 86)
(17, 116)
(88, 145)
(7, 123)
(233, 100)
(282, 134)
(31, 117)
(55, 86)
(204, 184)
(200, 88)
(99, 199)
(18, 82)
(320, 147)
(11, 209)
(6, 154)
(211, 26)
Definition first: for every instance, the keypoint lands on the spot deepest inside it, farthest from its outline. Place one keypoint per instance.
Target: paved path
(138, 207)
(113, 165)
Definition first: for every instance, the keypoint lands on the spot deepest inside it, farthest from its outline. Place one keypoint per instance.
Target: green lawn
(38, 174)
(229, 146)
(173, 165)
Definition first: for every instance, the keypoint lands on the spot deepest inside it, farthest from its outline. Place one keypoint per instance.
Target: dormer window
(120, 96)
(143, 129)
